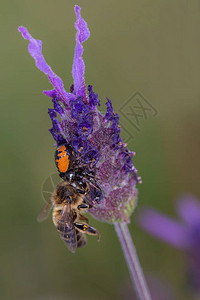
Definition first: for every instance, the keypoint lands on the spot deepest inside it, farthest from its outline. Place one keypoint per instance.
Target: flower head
(183, 234)
(93, 136)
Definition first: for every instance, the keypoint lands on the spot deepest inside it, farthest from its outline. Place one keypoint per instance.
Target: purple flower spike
(164, 228)
(95, 138)
(78, 69)
(35, 50)
(183, 234)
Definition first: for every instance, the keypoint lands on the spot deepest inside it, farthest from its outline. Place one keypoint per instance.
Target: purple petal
(188, 208)
(52, 94)
(93, 98)
(78, 69)
(164, 228)
(35, 50)
(109, 112)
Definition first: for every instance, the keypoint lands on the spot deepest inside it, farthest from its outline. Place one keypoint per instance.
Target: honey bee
(71, 198)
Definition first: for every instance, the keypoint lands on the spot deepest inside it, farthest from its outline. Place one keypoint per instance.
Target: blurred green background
(145, 46)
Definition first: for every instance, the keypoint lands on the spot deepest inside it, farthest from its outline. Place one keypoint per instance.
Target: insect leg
(87, 229)
(83, 218)
(84, 206)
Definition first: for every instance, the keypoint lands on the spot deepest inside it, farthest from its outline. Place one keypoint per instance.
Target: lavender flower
(96, 140)
(94, 136)
(183, 234)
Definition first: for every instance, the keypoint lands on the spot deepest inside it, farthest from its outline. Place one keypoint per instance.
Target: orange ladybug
(62, 158)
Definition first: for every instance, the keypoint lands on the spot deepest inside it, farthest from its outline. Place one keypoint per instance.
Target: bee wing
(81, 239)
(66, 228)
(43, 214)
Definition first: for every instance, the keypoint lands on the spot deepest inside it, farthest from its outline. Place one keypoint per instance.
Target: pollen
(80, 149)
(84, 227)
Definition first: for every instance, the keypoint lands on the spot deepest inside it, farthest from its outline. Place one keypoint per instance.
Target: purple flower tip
(35, 50)
(94, 138)
(78, 68)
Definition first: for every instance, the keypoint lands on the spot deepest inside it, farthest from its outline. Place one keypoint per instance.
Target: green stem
(132, 260)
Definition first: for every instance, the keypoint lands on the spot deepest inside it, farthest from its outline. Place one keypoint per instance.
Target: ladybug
(63, 158)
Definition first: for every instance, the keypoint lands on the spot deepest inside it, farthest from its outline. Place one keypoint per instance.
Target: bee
(71, 198)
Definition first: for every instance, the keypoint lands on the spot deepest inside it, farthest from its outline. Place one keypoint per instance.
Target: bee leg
(84, 206)
(87, 229)
(83, 218)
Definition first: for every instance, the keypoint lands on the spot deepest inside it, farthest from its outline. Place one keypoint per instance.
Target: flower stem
(132, 261)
